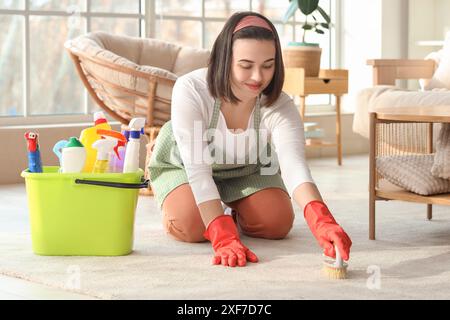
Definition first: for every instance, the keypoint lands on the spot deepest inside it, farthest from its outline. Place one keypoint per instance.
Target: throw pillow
(441, 165)
(441, 77)
(412, 173)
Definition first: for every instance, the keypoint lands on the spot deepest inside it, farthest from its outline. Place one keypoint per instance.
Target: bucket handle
(143, 184)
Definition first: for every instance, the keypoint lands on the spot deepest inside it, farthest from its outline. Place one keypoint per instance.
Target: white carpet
(411, 258)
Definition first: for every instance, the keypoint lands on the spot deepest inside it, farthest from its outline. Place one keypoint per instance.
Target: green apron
(233, 181)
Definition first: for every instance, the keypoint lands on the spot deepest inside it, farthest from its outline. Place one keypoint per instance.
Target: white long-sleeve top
(192, 111)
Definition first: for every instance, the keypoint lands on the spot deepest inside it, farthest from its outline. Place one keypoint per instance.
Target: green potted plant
(304, 54)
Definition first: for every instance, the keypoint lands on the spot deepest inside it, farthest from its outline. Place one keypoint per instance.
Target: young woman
(222, 116)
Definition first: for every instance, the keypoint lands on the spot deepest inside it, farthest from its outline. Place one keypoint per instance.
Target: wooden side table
(329, 81)
(386, 138)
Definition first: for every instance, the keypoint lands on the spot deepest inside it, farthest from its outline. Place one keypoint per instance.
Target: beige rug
(410, 259)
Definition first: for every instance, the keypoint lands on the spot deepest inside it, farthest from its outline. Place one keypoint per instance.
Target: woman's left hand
(326, 230)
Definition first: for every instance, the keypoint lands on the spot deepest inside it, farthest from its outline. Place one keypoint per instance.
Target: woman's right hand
(228, 248)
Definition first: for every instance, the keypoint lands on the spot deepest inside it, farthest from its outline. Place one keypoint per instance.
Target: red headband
(252, 21)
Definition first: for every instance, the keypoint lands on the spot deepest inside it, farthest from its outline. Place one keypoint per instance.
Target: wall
(442, 18)
(394, 29)
(371, 29)
(429, 20)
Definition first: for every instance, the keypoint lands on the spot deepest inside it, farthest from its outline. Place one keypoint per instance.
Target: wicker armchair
(133, 77)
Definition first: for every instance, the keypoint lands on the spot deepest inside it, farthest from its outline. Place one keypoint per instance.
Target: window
(38, 82)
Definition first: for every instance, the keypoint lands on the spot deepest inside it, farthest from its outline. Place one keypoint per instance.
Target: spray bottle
(118, 166)
(132, 153)
(115, 160)
(103, 147)
(89, 136)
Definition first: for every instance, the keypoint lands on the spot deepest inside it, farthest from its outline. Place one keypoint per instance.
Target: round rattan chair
(132, 77)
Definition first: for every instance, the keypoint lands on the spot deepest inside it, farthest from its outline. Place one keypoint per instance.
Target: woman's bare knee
(267, 214)
(184, 231)
(182, 218)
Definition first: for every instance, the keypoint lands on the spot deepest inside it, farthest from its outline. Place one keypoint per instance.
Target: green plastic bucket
(82, 214)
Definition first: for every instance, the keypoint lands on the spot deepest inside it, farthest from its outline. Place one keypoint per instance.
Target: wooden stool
(329, 81)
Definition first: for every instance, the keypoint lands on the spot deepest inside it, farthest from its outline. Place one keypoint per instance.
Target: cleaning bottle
(118, 165)
(89, 136)
(103, 147)
(115, 160)
(72, 155)
(34, 154)
(132, 153)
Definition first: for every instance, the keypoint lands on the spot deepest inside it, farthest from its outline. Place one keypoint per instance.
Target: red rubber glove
(326, 230)
(224, 237)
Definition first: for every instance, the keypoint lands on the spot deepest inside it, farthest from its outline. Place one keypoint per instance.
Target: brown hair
(219, 66)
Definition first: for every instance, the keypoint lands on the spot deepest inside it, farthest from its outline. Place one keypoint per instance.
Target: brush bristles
(335, 273)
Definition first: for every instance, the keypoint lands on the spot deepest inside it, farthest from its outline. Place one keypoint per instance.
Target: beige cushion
(150, 56)
(190, 59)
(413, 173)
(441, 77)
(436, 57)
(177, 59)
(441, 165)
(127, 51)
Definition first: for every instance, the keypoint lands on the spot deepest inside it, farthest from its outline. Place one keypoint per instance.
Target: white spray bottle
(131, 163)
(104, 147)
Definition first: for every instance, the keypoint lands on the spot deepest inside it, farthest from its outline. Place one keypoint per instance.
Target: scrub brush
(335, 269)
